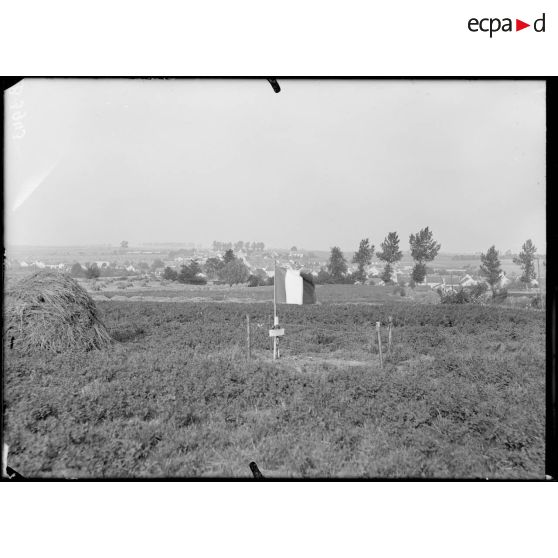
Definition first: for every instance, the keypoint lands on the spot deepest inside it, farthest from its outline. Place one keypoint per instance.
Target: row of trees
(423, 249)
(237, 246)
(93, 271)
(491, 268)
(229, 269)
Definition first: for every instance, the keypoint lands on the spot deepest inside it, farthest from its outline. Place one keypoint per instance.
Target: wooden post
(5, 450)
(379, 344)
(389, 334)
(275, 318)
(248, 347)
(275, 339)
(539, 280)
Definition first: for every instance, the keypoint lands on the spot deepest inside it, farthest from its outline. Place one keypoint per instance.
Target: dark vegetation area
(460, 395)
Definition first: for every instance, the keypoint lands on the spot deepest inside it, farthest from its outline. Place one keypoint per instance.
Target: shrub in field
(234, 272)
(170, 274)
(92, 271)
(77, 270)
(453, 297)
(500, 295)
(430, 297)
(478, 290)
(256, 281)
(190, 274)
(49, 310)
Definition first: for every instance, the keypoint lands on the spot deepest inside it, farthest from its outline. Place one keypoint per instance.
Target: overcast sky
(322, 163)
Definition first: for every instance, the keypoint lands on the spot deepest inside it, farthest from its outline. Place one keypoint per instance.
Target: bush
(500, 295)
(234, 272)
(478, 290)
(77, 270)
(170, 274)
(92, 271)
(190, 274)
(256, 281)
(399, 290)
(452, 297)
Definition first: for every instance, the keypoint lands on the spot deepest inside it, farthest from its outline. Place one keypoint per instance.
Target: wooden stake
(389, 334)
(5, 451)
(275, 318)
(275, 339)
(248, 346)
(380, 344)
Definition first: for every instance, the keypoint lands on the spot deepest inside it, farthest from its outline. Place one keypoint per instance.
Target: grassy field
(461, 395)
(355, 294)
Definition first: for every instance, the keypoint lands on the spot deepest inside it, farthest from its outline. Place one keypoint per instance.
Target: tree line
(228, 269)
(491, 267)
(423, 249)
(237, 246)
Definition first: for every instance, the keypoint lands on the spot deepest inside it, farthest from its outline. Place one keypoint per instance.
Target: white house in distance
(468, 281)
(503, 281)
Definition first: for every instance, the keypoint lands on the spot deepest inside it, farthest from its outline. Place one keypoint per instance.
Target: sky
(322, 163)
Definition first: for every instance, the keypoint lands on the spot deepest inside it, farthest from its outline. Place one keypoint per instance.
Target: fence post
(248, 347)
(379, 343)
(389, 334)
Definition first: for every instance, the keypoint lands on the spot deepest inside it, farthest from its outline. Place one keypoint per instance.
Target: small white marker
(5, 450)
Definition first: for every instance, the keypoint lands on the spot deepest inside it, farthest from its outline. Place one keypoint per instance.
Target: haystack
(50, 310)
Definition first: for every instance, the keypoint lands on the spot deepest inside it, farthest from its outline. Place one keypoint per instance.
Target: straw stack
(51, 311)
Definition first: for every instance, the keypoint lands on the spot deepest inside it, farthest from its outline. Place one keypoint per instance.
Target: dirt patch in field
(318, 365)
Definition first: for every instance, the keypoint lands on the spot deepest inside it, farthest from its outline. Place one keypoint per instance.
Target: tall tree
(92, 271)
(490, 268)
(423, 249)
(124, 245)
(526, 260)
(190, 274)
(157, 264)
(77, 270)
(234, 272)
(170, 274)
(229, 256)
(363, 258)
(212, 267)
(337, 265)
(390, 254)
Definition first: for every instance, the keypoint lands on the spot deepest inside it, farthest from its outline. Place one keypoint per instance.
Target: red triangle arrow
(519, 25)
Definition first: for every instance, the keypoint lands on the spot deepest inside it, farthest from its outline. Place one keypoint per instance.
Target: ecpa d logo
(492, 25)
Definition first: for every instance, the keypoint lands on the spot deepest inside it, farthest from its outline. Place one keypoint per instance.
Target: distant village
(127, 262)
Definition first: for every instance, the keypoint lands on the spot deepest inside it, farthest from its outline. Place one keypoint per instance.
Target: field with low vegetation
(460, 395)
